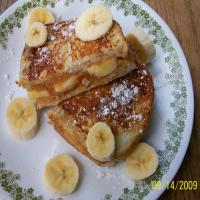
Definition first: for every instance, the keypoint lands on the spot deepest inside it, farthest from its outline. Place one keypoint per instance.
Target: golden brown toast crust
(125, 104)
(64, 56)
(62, 45)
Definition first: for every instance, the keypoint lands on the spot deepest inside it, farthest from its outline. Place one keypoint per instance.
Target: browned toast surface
(63, 47)
(46, 69)
(125, 105)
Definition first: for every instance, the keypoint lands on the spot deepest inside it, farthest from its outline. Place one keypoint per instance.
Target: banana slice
(141, 163)
(42, 15)
(100, 142)
(93, 23)
(66, 85)
(142, 45)
(22, 118)
(35, 94)
(103, 68)
(36, 35)
(61, 174)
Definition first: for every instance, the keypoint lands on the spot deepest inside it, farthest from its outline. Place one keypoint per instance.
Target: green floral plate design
(175, 126)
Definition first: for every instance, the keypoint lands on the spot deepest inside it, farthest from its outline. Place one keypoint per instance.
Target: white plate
(22, 162)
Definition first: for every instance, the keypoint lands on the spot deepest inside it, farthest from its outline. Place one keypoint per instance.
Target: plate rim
(187, 79)
(190, 90)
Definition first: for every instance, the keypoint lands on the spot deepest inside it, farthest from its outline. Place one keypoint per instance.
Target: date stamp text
(175, 185)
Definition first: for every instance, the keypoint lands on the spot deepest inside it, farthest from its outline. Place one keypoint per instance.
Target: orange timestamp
(175, 185)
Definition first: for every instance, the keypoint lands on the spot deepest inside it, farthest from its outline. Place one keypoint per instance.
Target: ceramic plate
(21, 163)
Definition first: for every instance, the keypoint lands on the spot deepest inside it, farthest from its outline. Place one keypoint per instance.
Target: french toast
(66, 66)
(124, 104)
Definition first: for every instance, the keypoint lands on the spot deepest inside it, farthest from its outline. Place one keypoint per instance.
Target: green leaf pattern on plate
(8, 182)
(175, 127)
(15, 19)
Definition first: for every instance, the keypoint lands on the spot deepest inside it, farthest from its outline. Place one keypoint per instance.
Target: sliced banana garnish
(42, 15)
(22, 118)
(142, 45)
(93, 23)
(35, 94)
(36, 35)
(103, 68)
(142, 162)
(101, 142)
(61, 174)
(66, 85)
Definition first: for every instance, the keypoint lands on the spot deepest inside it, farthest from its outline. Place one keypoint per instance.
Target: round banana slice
(66, 85)
(103, 68)
(61, 174)
(42, 15)
(22, 118)
(142, 162)
(93, 23)
(142, 45)
(100, 142)
(36, 94)
(36, 35)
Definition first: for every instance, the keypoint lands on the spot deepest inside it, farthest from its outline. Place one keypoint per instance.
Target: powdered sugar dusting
(71, 26)
(123, 93)
(105, 110)
(114, 104)
(144, 72)
(51, 37)
(107, 107)
(43, 54)
(43, 50)
(56, 26)
(136, 117)
(66, 33)
(42, 58)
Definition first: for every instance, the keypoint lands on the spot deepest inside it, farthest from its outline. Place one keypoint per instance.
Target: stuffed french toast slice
(105, 123)
(65, 65)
